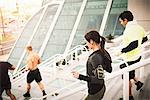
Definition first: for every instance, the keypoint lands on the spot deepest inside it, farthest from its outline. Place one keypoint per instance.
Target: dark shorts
(131, 73)
(34, 75)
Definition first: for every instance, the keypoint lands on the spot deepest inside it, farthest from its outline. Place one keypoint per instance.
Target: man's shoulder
(130, 31)
(36, 56)
(4, 62)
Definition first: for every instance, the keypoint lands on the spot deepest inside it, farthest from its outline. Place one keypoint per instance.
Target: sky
(24, 5)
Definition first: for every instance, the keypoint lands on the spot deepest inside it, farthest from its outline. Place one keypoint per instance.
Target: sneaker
(139, 85)
(27, 95)
(131, 98)
(44, 95)
(56, 94)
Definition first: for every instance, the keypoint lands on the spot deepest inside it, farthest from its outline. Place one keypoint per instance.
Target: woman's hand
(75, 74)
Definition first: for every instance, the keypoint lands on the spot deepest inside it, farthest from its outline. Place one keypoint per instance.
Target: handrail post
(142, 69)
(141, 74)
(126, 85)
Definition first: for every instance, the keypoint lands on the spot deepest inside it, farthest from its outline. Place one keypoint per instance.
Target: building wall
(141, 11)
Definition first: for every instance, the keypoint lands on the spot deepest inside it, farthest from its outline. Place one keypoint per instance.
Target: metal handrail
(107, 77)
(54, 58)
(79, 47)
(143, 45)
(112, 75)
(120, 72)
(50, 61)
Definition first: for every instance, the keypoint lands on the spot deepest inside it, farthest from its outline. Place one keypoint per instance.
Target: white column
(51, 27)
(126, 85)
(107, 10)
(75, 26)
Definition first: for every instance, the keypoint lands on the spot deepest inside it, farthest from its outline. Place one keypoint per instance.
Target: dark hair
(126, 15)
(29, 48)
(95, 36)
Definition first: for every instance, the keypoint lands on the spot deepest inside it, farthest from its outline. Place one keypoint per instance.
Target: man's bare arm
(39, 61)
(38, 58)
(12, 68)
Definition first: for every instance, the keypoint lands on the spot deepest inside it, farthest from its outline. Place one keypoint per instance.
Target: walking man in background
(34, 74)
(5, 83)
(133, 36)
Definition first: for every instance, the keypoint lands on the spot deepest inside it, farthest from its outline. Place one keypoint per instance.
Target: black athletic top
(4, 77)
(95, 73)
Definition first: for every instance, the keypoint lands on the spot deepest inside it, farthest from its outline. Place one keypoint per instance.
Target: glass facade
(36, 32)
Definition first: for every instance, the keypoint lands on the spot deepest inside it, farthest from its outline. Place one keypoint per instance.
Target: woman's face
(123, 22)
(90, 44)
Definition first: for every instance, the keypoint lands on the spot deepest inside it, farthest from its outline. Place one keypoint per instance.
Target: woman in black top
(95, 67)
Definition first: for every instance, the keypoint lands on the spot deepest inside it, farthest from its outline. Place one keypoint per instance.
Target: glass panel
(73, 0)
(61, 33)
(113, 26)
(56, 44)
(91, 19)
(24, 38)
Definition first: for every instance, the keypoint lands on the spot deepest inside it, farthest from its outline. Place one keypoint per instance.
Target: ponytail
(102, 42)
